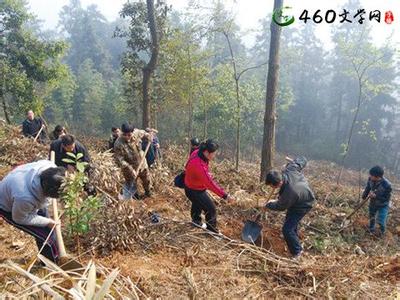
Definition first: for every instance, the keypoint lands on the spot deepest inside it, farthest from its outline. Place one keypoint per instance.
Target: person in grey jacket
(24, 194)
(295, 196)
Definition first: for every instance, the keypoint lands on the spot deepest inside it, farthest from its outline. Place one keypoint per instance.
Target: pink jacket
(197, 176)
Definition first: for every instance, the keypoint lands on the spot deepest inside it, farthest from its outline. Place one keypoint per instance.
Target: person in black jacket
(68, 143)
(31, 127)
(295, 196)
(379, 190)
(58, 131)
(115, 133)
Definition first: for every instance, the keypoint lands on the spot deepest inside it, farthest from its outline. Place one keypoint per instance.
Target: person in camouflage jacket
(128, 155)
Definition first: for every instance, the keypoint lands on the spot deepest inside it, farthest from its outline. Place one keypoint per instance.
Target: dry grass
(171, 259)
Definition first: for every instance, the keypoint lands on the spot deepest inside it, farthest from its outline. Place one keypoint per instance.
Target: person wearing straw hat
(130, 158)
(24, 194)
(295, 196)
(32, 126)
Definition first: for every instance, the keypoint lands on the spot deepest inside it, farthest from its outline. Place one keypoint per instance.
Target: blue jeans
(379, 214)
(129, 190)
(290, 230)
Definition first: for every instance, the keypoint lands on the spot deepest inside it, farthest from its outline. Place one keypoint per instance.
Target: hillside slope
(171, 259)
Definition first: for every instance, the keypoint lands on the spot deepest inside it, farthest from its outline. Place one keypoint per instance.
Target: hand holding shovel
(252, 229)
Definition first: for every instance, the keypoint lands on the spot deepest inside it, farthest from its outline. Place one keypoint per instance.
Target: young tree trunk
(268, 148)
(236, 76)
(205, 124)
(237, 125)
(352, 127)
(146, 98)
(5, 109)
(151, 65)
(339, 118)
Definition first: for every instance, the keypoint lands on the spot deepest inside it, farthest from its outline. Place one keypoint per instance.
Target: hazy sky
(247, 12)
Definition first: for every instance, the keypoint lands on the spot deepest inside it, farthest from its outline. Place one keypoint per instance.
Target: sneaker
(216, 234)
(122, 198)
(297, 256)
(199, 225)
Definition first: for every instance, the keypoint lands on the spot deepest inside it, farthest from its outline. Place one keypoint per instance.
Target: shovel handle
(60, 240)
(358, 208)
(260, 214)
(144, 155)
(37, 135)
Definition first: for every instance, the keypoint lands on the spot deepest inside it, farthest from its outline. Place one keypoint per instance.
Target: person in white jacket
(24, 194)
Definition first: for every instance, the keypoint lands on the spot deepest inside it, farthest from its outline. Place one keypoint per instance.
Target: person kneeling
(23, 201)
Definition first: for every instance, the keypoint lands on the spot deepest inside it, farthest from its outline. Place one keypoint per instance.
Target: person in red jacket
(198, 180)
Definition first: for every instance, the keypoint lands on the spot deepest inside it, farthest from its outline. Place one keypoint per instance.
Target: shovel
(65, 261)
(142, 160)
(346, 220)
(252, 229)
(37, 135)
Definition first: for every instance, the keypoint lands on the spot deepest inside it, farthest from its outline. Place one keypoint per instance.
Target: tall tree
(26, 61)
(268, 147)
(143, 46)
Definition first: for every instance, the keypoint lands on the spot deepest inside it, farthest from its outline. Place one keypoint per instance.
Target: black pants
(201, 202)
(50, 250)
(290, 230)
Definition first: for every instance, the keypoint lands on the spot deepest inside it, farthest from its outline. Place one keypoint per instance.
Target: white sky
(247, 12)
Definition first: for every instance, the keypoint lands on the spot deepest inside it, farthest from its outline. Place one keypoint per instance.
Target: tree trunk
(339, 119)
(205, 124)
(352, 127)
(5, 110)
(146, 98)
(268, 148)
(236, 76)
(151, 65)
(237, 125)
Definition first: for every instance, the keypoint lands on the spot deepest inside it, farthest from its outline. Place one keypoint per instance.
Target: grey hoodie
(295, 193)
(21, 193)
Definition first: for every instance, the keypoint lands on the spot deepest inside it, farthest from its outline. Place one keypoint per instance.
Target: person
(23, 201)
(68, 143)
(157, 145)
(115, 133)
(152, 153)
(58, 131)
(198, 180)
(295, 196)
(128, 155)
(32, 125)
(379, 191)
(194, 144)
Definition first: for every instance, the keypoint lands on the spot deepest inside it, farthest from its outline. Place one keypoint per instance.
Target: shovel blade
(251, 232)
(70, 264)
